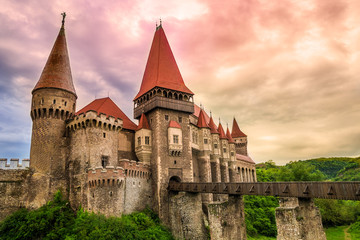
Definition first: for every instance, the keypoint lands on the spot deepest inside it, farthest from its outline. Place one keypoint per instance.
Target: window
(139, 140)
(54, 101)
(232, 154)
(147, 140)
(104, 135)
(205, 141)
(180, 119)
(215, 145)
(65, 104)
(42, 101)
(224, 150)
(176, 139)
(166, 117)
(104, 161)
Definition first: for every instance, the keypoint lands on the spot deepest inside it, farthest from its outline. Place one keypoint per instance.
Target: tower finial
(63, 20)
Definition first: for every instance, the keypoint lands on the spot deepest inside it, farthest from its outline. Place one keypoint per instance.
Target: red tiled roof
(108, 107)
(244, 158)
(212, 126)
(236, 132)
(221, 132)
(174, 124)
(143, 123)
(202, 121)
(57, 71)
(228, 135)
(161, 68)
(197, 113)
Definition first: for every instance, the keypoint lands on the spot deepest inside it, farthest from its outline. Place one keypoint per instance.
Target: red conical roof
(202, 121)
(161, 68)
(221, 132)
(236, 132)
(174, 124)
(228, 135)
(143, 123)
(108, 107)
(57, 72)
(197, 113)
(213, 128)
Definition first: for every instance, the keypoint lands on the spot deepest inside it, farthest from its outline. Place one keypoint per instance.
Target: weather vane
(63, 20)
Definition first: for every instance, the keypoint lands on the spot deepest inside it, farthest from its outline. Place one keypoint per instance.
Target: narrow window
(175, 162)
(205, 141)
(224, 150)
(232, 154)
(176, 139)
(42, 101)
(139, 141)
(147, 140)
(54, 101)
(65, 103)
(104, 161)
(166, 117)
(104, 135)
(215, 145)
(180, 119)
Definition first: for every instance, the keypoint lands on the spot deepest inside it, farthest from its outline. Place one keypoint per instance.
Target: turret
(143, 141)
(240, 139)
(224, 158)
(53, 103)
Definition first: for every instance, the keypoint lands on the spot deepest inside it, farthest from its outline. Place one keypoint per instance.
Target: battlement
(14, 164)
(135, 169)
(92, 119)
(109, 176)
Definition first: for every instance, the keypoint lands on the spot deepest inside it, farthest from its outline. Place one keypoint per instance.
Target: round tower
(53, 103)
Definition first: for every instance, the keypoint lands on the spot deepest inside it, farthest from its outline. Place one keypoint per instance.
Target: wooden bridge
(327, 190)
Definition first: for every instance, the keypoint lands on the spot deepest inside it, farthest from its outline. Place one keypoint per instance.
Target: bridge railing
(327, 190)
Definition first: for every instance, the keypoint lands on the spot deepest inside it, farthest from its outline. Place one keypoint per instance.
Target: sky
(287, 70)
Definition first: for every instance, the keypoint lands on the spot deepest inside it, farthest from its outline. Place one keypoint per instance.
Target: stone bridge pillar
(299, 219)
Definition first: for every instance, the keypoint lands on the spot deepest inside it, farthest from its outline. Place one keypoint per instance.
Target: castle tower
(240, 139)
(143, 140)
(233, 176)
(204, 154)
(53, 102)
(167, 104)
(224, 157)
(215, 157)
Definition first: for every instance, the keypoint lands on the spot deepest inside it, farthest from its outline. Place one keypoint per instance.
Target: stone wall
(227, 219)
(299, 219)
(12, 190)
(187, 220)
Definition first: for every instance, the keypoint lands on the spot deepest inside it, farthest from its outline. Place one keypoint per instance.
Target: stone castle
(106, 163)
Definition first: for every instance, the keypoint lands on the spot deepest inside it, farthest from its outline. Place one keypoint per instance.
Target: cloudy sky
(288, 70)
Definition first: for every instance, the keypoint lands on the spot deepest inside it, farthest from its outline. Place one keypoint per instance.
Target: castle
(106, 163)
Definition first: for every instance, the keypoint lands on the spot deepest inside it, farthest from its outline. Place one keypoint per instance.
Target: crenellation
(14, 163)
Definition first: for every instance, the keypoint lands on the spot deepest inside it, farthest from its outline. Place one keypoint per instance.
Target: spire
(221, 132)
(161, 68)
(236, 132)
(143, 123)
(213, 128)
(201, 120)
(57, 71)
(228, 135)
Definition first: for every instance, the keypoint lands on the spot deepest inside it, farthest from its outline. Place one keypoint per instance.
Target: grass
(337, 233)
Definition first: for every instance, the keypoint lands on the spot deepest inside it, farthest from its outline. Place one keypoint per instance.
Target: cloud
(287, 70)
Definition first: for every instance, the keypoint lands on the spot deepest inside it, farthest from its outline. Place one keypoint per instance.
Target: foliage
(260, 215)
(56, 220)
